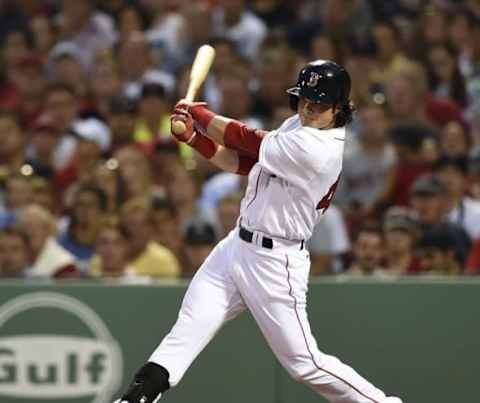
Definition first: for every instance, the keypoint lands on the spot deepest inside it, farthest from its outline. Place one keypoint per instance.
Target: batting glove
(181, 115)
(189, 106)
(147, 387)
(198, 110)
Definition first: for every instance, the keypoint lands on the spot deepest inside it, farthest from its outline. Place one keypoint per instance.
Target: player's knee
(302, 371)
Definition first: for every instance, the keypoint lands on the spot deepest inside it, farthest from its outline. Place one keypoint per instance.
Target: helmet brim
(294, 91)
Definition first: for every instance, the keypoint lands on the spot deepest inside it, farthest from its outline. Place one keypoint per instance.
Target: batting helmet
(325, 82)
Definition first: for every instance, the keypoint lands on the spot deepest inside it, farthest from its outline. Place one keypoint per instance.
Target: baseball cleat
(392, 400)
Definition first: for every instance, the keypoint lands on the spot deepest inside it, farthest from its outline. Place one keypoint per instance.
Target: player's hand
(189, 106)
(181, 115)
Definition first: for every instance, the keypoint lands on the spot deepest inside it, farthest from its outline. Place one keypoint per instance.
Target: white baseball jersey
(288, 190)
(298, 167)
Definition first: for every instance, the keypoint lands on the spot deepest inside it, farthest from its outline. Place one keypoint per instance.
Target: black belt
(267, 242)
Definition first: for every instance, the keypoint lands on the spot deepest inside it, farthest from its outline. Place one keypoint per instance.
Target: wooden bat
(200, 67)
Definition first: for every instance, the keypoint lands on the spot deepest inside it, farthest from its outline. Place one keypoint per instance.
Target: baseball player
(263, 265)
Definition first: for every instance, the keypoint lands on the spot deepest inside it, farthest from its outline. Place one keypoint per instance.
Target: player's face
(316, 115)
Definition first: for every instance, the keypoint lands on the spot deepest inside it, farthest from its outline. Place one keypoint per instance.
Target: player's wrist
(205, 146)
(202, 115)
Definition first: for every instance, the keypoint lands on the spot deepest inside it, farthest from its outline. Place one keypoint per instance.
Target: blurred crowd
(93, 185)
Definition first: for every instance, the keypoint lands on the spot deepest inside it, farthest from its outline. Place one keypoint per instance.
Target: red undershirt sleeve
(241, 138)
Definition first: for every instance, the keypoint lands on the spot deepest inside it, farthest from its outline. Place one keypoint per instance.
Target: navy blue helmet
(322, 81)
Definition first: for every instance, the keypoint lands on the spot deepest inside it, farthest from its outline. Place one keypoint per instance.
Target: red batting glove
(189, 106)
(199, 111)
(180, 115)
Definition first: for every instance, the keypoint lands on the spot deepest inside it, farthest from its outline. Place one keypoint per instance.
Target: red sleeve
(245, 164)
(242, 138)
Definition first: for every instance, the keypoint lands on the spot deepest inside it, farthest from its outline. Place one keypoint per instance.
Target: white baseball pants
(272, 284)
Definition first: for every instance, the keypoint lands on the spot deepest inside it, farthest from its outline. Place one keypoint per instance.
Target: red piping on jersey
(242, 138)
(290, 292)
(256, 189)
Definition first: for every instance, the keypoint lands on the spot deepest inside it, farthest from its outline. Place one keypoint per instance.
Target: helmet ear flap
(293, 102)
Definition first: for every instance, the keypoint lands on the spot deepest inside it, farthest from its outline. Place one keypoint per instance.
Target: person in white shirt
(262, 265)
(244, 28)
(462, 209)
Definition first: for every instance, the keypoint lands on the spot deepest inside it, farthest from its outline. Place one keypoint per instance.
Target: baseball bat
(200, 67)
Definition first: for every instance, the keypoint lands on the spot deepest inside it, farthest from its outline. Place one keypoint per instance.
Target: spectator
(166, 229)
(147, 257)
(237, 101)
(455, 140)
(228, 211)
(225, 58)
(62, 105)
(182, 191)
(473, 262)
(444, 74)
(360, 63)
(437, 252)
(105, 85)
(401, 234)
(388, 55)
(137, 67)
(432, 29)
(14, 259)
(217, 187)
(30, 83)
(44, 35)
(329, 243)
(461, 36)
(408, 98)
(121, 119)
(408, 140)
(428, 199)
(86, 211)
(66, 67)
(233, 20)
(475, 177)
(167, 152)
(12, 144)
(131, 18)
(273, 82)
(462, 209)
(135, 173)
(48, 258)
(153, 114)
(275, 14)
(43, 194)
(107, 177)
(198, 243)
(18, 194)
(45, 136)
(111, 252)
(367, 163)
(323, 47)
(85, 27)
(93, 139)
(16, 46)
(368, 251)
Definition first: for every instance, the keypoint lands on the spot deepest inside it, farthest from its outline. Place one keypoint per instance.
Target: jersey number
(327, 199)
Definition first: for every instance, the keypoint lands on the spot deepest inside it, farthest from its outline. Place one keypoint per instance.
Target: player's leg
(211, 299)
(274, 287)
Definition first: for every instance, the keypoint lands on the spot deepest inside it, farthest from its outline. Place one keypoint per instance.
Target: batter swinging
(262, 265)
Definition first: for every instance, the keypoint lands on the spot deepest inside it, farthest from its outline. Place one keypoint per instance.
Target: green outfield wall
(82, 342)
